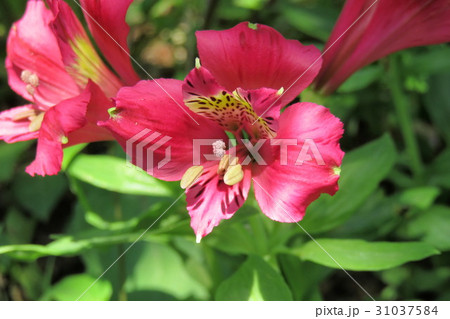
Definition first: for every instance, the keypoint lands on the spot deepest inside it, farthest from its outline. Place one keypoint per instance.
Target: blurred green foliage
(387, 226)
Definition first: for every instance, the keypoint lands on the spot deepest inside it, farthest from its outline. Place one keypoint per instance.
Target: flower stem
(404, 117)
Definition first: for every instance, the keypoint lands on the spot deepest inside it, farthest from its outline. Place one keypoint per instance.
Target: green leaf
(360, 255)
(378, 216)
(39, 195)
(113, 174)
(9, 154)
(254, 280)
(438, 172)
(362, 170)
(434, 60)
(250, 4)
(361, 79)
(70, 153)
(303, 277)
(157, 268)
(71, 287)
(432, 226)
(314, 21)
(419, 197)
(70, 245)
(437, 103)
(19, 228)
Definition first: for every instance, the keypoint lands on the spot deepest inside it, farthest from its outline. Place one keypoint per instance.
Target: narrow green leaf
(360, 255)
(254, 280)
(70, 246)
(362, 170)
(113, 174)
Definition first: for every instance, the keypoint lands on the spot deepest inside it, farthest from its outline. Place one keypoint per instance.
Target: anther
(190, 176)
(223, 164)
(28, 114)
(30, 89)
(36, 122)
(197, 63)
(337, 170)
(30, 78)
(233, 175)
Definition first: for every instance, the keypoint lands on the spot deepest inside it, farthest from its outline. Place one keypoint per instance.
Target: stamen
(30, 78)
(223, 164)
(25, 75)
(253, 26)
(234, 175)
(36, 122)
(64, 140)
(190, 176)
(219, 148)
(197, 63)
(112, 111)
(337, 170)
(24, 115)
(30, 89)
(198, 238)
(226, 162)
(280, 91)
(33, 80)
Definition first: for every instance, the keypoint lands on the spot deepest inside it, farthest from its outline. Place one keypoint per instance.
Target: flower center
(229, 170)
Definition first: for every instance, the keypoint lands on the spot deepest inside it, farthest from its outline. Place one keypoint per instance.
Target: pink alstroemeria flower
(52, 63)
(367, 31)
(238, 89)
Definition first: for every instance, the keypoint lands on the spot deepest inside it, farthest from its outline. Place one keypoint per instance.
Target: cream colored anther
(36, 122)
(225, 162)
(233, 175)
(31, 80)
(190, 176)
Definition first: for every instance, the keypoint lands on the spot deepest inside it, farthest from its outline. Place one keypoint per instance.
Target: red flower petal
(106, 20)
(59, 121)
(285, 189)
(210, 200)
(252, 59)
(388, 26)
(32, 46)
(97, 111)
(80, 57)
(13, 130)
(151, 113)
